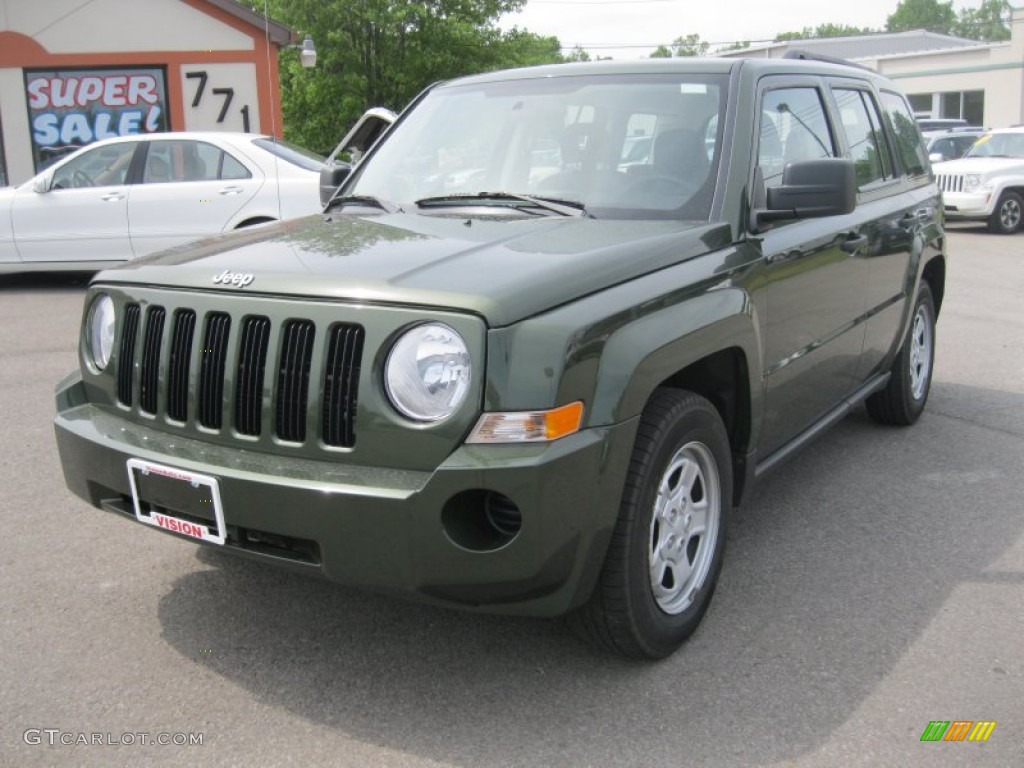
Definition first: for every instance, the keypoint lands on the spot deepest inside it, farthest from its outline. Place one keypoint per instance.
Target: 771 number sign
(226, 95)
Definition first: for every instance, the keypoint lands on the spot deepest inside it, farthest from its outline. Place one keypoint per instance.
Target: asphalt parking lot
(873, 585)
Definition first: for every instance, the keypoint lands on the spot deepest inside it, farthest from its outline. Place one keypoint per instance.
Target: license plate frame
(165, 519)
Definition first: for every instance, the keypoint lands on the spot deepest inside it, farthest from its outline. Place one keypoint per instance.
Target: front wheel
(1008, 215)
(669, 540)
(904, 397)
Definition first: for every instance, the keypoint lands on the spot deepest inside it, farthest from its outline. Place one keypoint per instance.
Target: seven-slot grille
(949, 183)
(166, 352)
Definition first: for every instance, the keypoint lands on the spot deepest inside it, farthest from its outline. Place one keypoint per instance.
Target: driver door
(83, 214)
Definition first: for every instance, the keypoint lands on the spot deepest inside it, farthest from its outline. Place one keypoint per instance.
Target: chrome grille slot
(950, 183)
(293, 379)
(149, 380)
(179, 363)
(252, 361)
(211, 369)
(341, 382)
(274, 385)
(126, 354)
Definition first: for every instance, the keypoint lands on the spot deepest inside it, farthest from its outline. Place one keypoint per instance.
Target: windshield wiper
(375, 202)
(555, 205)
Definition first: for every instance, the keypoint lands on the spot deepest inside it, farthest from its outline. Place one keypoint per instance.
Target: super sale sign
(72, 108)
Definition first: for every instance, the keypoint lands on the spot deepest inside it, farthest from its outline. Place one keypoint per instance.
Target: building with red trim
(73, 72)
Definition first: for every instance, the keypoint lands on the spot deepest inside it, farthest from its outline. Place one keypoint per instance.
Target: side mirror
(331, 177)
(41, 184)
(936, 157)
(811, 189)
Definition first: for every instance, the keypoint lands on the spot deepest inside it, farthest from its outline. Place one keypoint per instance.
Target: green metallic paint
(553, 310)
(501, 270)
(380, 426)
(363, 517)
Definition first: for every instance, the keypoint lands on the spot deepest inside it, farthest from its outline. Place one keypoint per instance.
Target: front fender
(611, 349)
(650, 351)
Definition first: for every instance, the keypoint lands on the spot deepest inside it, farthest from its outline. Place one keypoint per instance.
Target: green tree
(988, 22)
(733, 47)
(384, 52)
(932, 15)
(661, 52)
(824, 30)
(690, 45)
(577, 54)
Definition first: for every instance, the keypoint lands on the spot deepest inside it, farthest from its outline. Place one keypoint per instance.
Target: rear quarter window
(909, 145)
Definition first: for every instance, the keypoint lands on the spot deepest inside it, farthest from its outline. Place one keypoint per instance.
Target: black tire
(624, 614)
(254, 222)
(904, 397)
(1008, 217)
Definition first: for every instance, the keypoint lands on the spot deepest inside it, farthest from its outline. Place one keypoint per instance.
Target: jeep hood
(501, 269)
(986, 166)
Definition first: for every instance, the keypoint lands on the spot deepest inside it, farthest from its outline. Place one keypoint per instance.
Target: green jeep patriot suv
(544, 337)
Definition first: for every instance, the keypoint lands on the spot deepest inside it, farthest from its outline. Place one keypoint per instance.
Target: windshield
(623, 146)
(303, 158)
(999, 145)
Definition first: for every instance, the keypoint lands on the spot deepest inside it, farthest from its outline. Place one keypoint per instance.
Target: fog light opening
(481, 520)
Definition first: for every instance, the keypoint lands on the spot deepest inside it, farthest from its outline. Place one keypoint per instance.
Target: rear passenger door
(189, 189)
(815, 280)
(893, 210)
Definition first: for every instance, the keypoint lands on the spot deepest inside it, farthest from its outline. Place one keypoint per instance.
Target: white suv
(987, 184)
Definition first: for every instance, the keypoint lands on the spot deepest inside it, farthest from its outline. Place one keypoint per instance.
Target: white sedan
(122, 198)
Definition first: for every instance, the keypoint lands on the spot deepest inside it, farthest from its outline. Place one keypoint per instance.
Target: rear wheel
(1008, 215)
(904, 397)
(667, 549)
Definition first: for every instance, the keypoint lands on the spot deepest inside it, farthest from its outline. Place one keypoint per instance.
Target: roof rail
(808, 56)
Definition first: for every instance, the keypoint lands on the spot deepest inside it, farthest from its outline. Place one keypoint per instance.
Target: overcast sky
(627, 29)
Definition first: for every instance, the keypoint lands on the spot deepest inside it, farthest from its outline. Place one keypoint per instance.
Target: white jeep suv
(987, 184)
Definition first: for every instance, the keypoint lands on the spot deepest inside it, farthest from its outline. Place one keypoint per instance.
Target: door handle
(110, 196)
(853, 242)
(231, 191)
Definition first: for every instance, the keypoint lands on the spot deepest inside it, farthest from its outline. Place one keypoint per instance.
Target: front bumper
(968, 205)
(381, 528)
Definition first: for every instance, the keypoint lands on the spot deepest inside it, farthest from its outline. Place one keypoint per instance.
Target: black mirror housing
(331, 177)
(811, 189)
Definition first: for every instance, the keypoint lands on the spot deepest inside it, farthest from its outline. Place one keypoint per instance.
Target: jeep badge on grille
(236, 279)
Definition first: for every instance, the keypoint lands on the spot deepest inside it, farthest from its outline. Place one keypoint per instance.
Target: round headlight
(428, 372)
(100, 330)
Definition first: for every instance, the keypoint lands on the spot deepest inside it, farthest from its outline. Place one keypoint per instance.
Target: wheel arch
(720, 362)
(934, 273)
(253, 221)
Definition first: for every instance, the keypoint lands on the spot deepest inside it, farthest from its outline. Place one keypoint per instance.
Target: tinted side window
(99, 167)
(174, 161)
(908, 138)
(867, 144)
(793, 128)
(232, 169)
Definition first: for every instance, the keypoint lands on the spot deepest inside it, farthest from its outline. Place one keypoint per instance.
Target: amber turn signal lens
(528, 426)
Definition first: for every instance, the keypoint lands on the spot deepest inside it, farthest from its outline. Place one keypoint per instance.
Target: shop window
(968, 105)
(70, 108)
(921, 103)
(974, 107)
